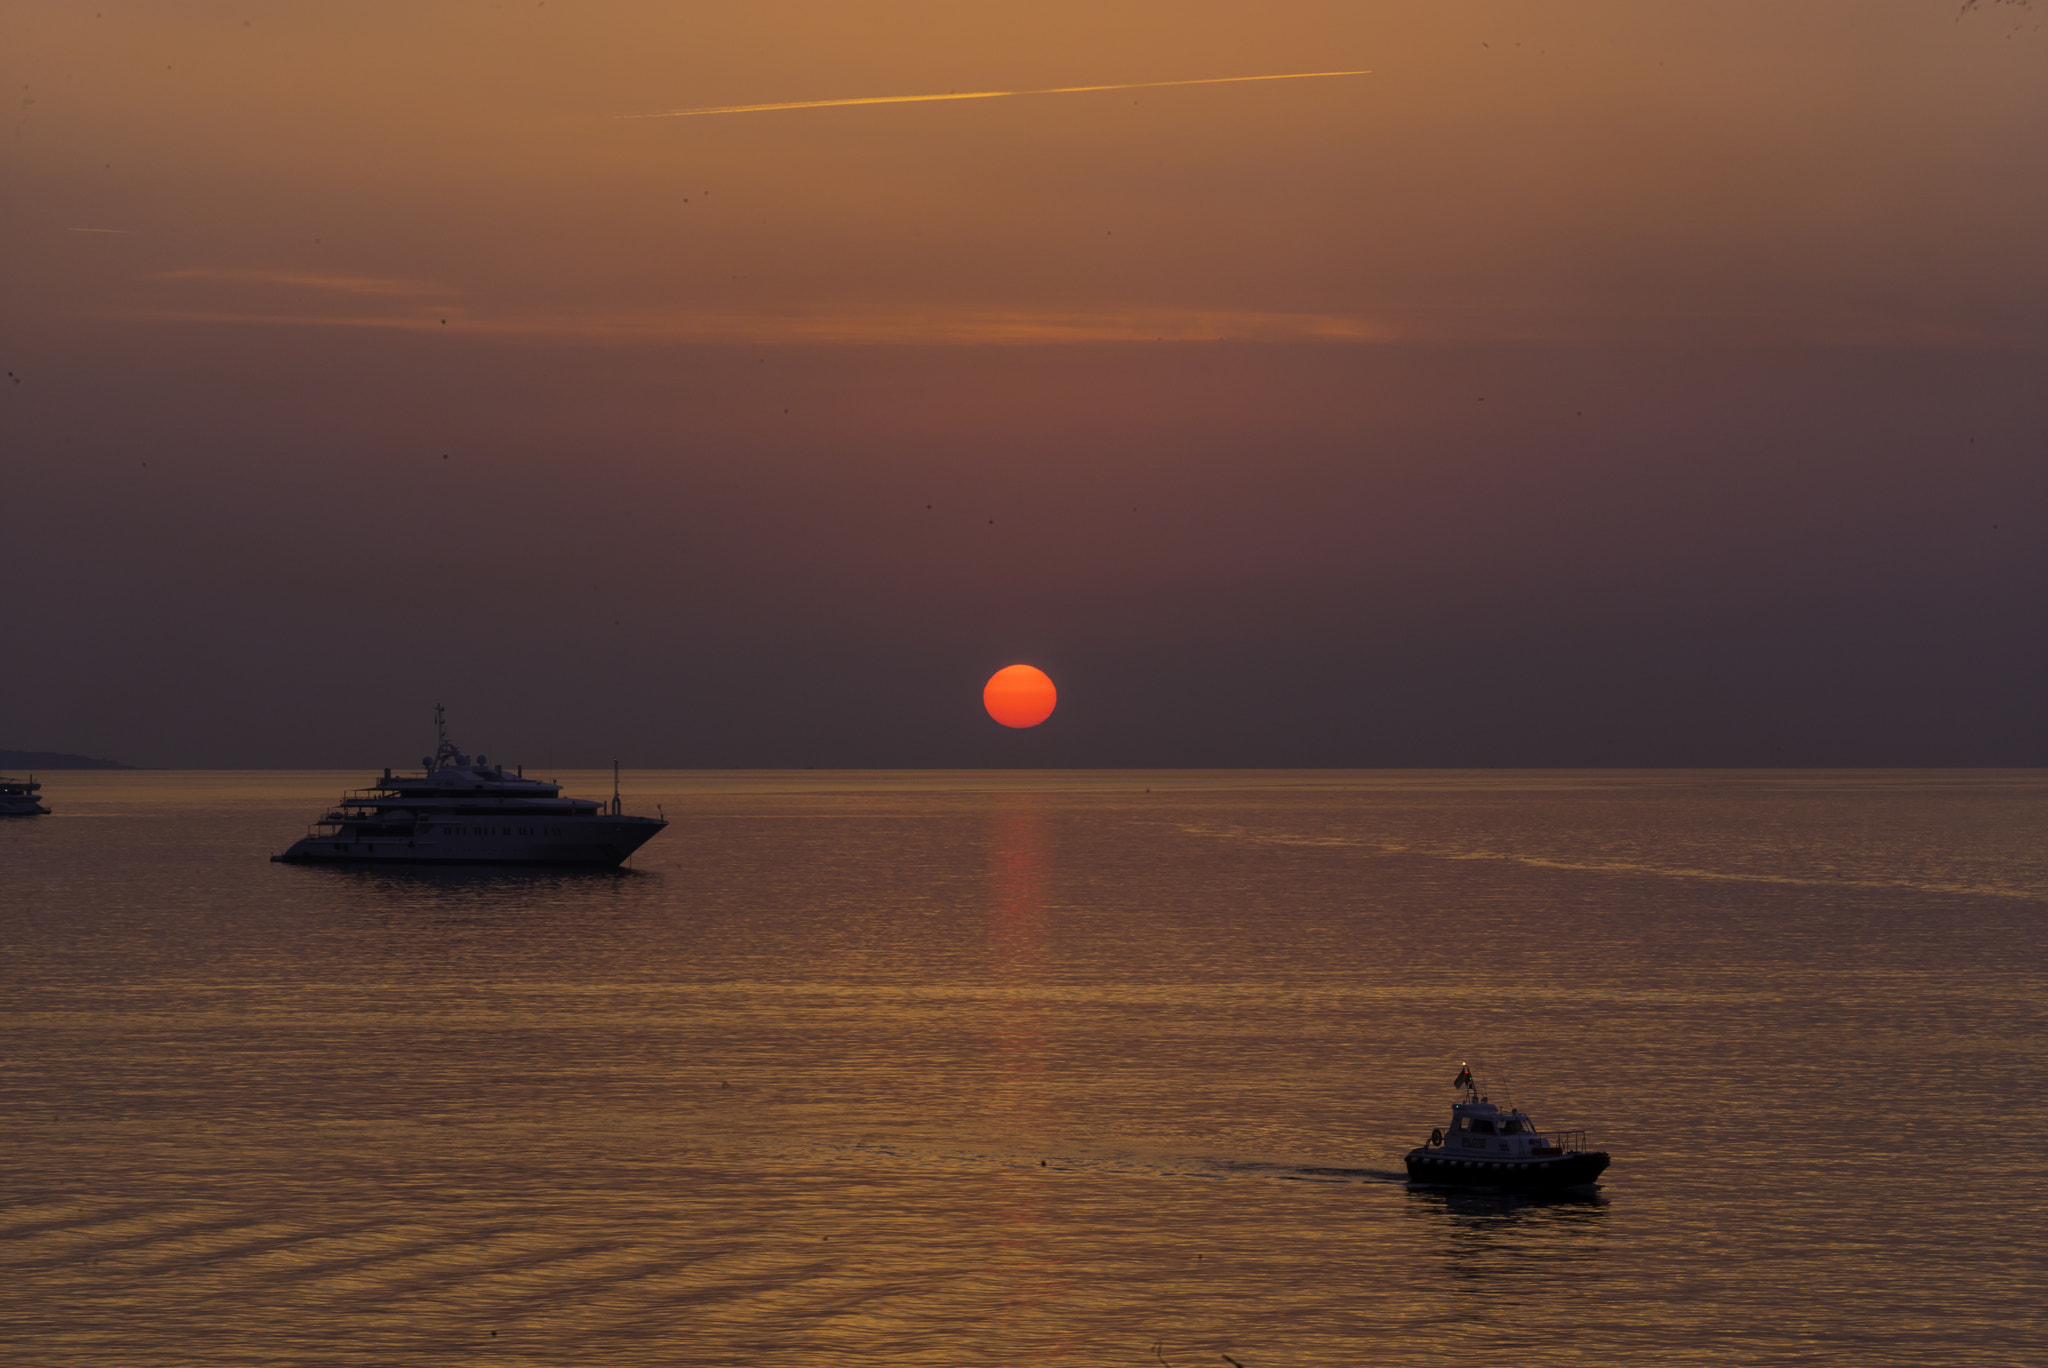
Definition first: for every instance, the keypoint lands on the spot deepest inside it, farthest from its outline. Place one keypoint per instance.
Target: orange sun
(1019, 696)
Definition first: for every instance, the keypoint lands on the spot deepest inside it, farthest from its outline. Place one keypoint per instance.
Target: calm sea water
(1107, 1068)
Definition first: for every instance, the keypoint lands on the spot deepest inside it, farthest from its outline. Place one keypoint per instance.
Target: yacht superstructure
(464, 811)
(18, 798)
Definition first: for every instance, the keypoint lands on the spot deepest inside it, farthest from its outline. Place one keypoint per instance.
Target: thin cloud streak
(306, 280)
(984, 94)
(927, 328)
(969, 327)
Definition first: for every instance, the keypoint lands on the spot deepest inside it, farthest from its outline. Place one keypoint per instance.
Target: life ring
(1436, 1137)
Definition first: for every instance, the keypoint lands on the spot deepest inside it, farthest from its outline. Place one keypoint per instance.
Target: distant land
(48, 760)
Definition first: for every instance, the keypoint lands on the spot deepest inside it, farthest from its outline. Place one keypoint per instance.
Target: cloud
(303, 299)
(305, 280)
(996, 326)
(948, 327)
(983, 94)
(342, 301)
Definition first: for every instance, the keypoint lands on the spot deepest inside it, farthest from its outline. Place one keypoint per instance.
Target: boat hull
(602, 843)
(1440, 1168)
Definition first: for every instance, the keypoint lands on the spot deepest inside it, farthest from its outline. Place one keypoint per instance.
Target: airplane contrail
(983, 94)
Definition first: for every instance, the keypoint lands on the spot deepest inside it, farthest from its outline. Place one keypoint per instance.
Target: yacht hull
(1440, 1168)
(601, 843)
(18, 799)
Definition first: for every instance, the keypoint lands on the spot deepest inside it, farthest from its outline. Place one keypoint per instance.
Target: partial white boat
(464, 811)
(18, 798)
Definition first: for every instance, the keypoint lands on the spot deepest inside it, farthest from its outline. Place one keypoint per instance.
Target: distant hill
(49, 760)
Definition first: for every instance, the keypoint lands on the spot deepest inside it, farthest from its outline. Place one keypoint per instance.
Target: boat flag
(1464, 1078)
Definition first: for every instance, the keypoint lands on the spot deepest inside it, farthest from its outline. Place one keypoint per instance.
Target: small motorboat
(1491, 1146)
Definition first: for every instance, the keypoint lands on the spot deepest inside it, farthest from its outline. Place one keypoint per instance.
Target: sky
(1584, 383)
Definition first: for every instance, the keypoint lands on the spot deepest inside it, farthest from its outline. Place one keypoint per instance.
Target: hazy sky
(1590, 383)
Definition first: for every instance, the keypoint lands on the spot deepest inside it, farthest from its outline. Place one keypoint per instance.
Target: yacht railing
(1568, 1142)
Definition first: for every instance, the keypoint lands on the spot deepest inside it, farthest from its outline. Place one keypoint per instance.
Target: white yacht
(464, 811)
(1492, 1146)
(18, 798)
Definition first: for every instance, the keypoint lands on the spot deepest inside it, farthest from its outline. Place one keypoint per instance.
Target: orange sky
(1779, 248)
(1830, 170)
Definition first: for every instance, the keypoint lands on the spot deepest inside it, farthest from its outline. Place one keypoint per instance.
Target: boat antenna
(1500, 1075)
(615, 786)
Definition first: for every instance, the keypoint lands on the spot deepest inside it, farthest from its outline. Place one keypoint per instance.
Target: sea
(965, 1068)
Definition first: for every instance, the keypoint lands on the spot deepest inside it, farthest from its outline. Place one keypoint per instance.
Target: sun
(1019, 696)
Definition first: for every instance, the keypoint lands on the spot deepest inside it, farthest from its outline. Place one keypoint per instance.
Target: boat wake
(1311, 1173)
(1149, 1165)
(1833, 878)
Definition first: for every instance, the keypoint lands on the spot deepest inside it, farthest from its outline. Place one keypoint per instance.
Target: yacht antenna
(615, 786)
